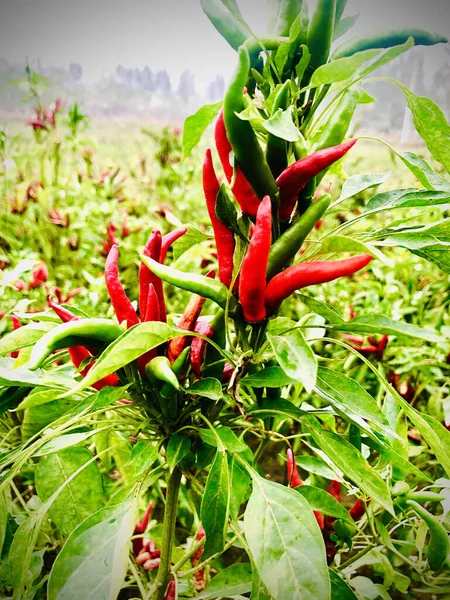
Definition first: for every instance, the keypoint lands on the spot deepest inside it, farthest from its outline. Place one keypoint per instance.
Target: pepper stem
(168, 535)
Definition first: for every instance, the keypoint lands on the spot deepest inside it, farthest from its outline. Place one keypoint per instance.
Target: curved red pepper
(294, 481)
(242, 190)
(252, 281)
(122, 306)
(293, 179)
(381, 346)
(302, 275)
(152, 314)
(16, 325)
(171, 590)
(169, 239)
(198, 347)
(223, 235)
(335, 489)
(357, 510)
(140, 528)
(152, 249)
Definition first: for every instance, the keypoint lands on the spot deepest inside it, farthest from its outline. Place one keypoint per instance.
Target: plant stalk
(168, 535)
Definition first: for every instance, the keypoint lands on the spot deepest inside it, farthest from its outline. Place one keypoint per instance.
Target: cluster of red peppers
(265, 278)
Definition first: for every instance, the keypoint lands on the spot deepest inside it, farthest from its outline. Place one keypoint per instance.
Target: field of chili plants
(225, 350)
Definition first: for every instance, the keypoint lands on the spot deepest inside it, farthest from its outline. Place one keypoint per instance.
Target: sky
(172, 34)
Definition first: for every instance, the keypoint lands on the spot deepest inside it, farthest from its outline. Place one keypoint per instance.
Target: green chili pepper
(320, 33)
(228, 23)
(64, 336)
(334, 129)
(177, 368)
(191, 282)
(387, 39)
(438, 546)
(159, 368)
(287, 246)
(424, 496)
(282, 13)
(276, 150)
(247, 151)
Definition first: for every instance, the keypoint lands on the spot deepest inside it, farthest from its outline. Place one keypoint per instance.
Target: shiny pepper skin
(122, 306)
(252, 281)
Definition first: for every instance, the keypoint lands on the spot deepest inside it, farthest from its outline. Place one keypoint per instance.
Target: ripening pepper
(122, 306)
(152, 249)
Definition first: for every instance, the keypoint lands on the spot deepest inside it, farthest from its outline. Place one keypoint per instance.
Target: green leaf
(10, 377)
(195, 125)
(315, 465)
(360, 183)
(177, 448)
(143, 456)
(285, 542)
(342, 68)
(235, 580)
(422, 170)
(352, 463)
(134, 342)
(191, 238)
(271, 377)
(226, 211)
(282, 126)
(93, 562)
(240, 481)
(386, 57)
(369, 324)
(340, 590)
(24, 336)
(295, 357)
(347, 396)
(223, 436)
(64, 441)
(320, 500)
(278, 408)
(344, 25)
(215, 506)
(328, 312)
(406, 199)
(430, 123)
(342, 243)
(80, 498)
(208, 387)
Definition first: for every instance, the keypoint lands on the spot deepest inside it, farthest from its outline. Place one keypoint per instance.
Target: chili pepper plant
(151, 458)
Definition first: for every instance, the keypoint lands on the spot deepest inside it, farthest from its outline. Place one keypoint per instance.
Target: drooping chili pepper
(227, 372)
(282, 13)
(355, 339)
(168, 240)
(294, 479)
(159, 368)
(152, 314)
(335, 489)
(247, 151)
(381, 346)
(276, 149)
(122, 306)
(39, 275)
(289, 243)
(365, 349)
(224, 236)
(357, 510)
(199, 575)
(304, 274)
(64, 335)
(293, 179)
(171, 590)
(198, 347)
(187, 322)
(439, 544)
(140, 527)
(191, 282)
(225, 21)
(387, 39)
(64, 314)
(152, 249)
(177, 367)
(16, 325)
(320, 33)
(252, 281)
(242, 190)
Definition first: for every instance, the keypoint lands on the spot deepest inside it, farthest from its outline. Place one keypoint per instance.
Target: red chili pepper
(152, 314)
(302, 275)
(356, 339)
(140, 528)
(335, 489)
(187, 322)
(198, 347)
(242, 190)
(171, 590)
(168, 240)
(64, 314)
(293, 179)
(228, 371)
(146, 277)
(223, 235)
(16, 325)
(151, 564)
(382, 346)
(254, 266)
(365, 349)
(39, 275)
(122, 306)
(357, 510)
(294, 481)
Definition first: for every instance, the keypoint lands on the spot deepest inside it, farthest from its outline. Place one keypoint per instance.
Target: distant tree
(186, 87)
(75, 71)
(163, 86)
(216, 89)
(148, 80)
